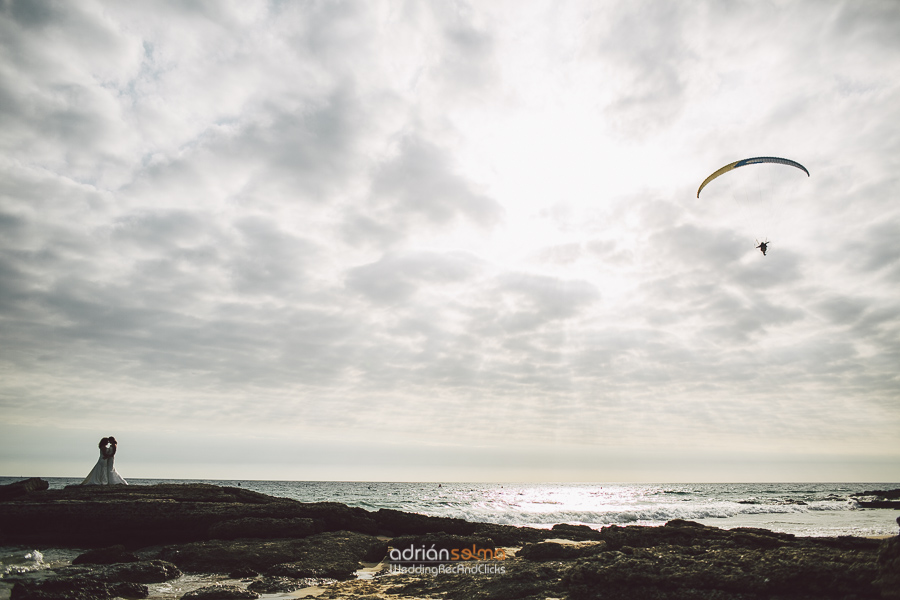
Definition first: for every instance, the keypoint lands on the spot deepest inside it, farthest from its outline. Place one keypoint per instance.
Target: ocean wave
(20, 562)
(635, 514)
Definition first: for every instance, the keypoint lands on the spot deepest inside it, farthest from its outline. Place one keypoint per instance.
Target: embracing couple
(104, 472)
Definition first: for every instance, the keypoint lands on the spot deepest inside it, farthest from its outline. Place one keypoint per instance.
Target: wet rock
(345, 549)
(106, 556)
(510, 535)
(163, 514)
(878, 499)
(134, 515)
(266, 528)
(333, 555)
(21, 488)
(680, 561)
(883, 494)
(76, 589)
(278, 585)
(145, 571)
(395, 522)
(220, 592)
(511, 579)
(575, 532)
(243, 573)
(687, 533)
(557, 551)
(723, 573)
(889, 567)
(223, 556)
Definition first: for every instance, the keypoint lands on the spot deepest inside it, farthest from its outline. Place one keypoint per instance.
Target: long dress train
(99, 474)
(112, 476)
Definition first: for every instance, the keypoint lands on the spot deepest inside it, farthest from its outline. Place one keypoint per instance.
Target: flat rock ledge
(81, 582)
(134, 515)
(148, 534)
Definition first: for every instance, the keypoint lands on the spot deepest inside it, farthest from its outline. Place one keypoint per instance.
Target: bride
(98, 475)
(104, 472)
(112, 477)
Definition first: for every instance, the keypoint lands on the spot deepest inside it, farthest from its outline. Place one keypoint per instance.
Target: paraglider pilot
(763, 246)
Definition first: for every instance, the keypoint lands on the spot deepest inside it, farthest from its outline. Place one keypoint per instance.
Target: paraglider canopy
(751, 161)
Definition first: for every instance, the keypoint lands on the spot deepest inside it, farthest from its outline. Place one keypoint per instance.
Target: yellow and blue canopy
(751, 161)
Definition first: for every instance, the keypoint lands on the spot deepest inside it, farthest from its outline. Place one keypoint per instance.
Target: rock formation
(277, 545)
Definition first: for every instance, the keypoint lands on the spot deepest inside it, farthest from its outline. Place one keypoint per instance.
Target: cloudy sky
(387, 240)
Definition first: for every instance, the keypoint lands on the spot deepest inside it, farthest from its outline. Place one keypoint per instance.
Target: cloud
(645, 53)
(419, 183)
(396, 278)
(450, 224)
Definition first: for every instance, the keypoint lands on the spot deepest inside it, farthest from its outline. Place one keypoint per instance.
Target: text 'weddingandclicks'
(456, 561)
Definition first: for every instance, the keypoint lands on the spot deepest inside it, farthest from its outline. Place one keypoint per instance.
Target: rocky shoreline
(257, 544)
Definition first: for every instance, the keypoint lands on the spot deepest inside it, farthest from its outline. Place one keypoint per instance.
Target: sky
(450, 241)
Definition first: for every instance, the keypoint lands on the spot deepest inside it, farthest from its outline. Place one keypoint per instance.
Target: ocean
(805, 509)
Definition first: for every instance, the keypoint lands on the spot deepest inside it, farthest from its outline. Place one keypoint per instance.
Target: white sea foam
(14, 560)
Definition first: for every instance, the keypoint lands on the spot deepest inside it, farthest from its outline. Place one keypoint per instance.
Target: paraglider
(762, 246)
(751, 161)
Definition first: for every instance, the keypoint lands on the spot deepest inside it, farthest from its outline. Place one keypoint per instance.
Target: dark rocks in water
(893, 504)
(145, 571)
(278, 585)
(309, 557)
(889, 567)
(21, 488)
(220, 592)
(124, 580)
(106, 556)
(883, 494)
(81, 589)
(878, 499)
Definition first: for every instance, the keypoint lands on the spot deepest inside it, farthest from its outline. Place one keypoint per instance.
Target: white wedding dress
(112, 477)
(99, 474)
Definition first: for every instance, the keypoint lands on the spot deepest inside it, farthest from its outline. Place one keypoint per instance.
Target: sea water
(806, 509)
